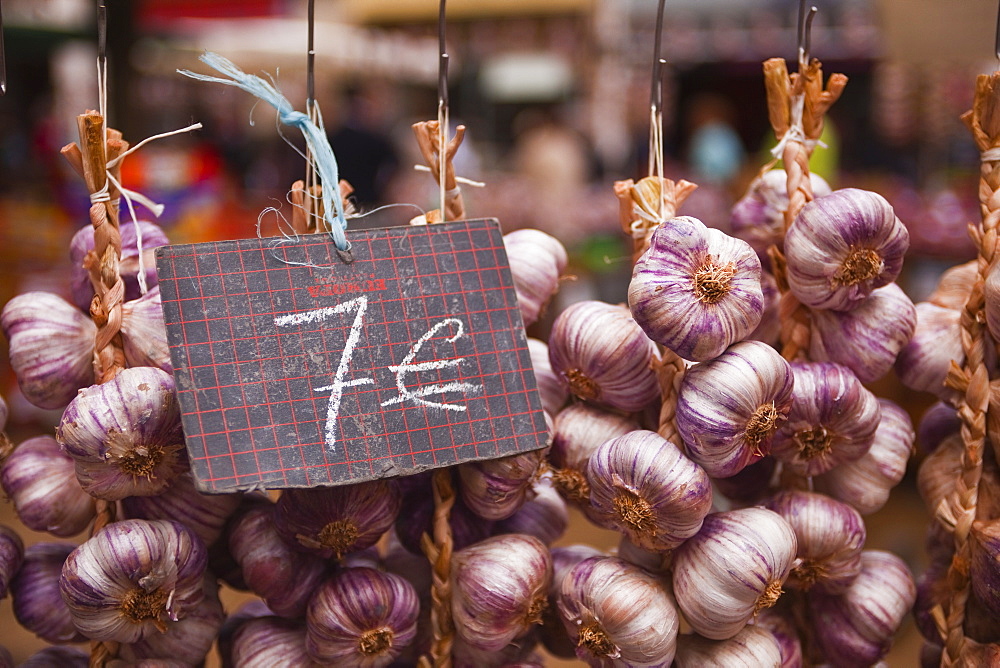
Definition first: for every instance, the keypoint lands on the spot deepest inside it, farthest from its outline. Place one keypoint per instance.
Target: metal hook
(102, 31)
(804, 38)
(443, 59)
(656, 86)
(3, 57)
(311, 58)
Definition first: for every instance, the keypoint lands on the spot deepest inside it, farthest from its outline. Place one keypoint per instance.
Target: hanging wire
(3, 57)
(656, 104)
(804, 36)
(442, 104)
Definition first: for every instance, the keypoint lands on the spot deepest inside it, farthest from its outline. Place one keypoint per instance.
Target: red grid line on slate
(508, 310)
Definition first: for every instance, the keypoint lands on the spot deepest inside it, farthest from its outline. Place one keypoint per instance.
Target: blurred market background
(555, 97)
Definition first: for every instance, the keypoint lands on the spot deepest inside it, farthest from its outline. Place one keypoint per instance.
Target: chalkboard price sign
(295, 368)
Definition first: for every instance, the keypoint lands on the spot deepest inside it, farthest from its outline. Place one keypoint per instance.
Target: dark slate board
(438, 372)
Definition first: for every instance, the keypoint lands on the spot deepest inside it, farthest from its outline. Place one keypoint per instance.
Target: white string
(442, 148)
(459, 179)
(991, 154)
(130, 196)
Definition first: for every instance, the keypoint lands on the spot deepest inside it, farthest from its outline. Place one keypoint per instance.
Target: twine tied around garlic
(429, 137)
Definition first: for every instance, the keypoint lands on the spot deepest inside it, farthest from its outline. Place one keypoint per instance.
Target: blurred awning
(935, 32)
(526, 77)
(402, 11)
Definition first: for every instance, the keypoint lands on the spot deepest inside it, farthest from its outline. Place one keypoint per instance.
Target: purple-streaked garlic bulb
(750, 485)
(578, 431)
(284, 577)
(35, 593)
(266, 642)
(536, 262)
(466, 527)
(936, 424)
(11, 557)
(955, 285)
(83, 242)
(841, 247)
(769, 329)
(984, 570)
(696, 290)
(186, 641)
(543, 516)
(865, 482)
(552, 632)
(782, 627)
(133, 576)
(868, 338)
(833, 419)
(125, 435)
(830, 535)
(361, 617)
(644, 487)
(4, 413)
(494, 489)
(603, 356)
(517, 654)
(221, 561)
(252, 609)
(51, 347)
(499, 589)
(759, 216)
(41, 481)
(923, 363)
(619, 615)
(732, 569)
(938, 472)
(64, 657)
(729, 409)
(652, 561)
(856, 628)
(205, 514)
(751, 646)
(334, 521)
(144, 336)
(550, 387)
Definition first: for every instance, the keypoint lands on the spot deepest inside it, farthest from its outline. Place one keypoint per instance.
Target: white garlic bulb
(752, 647)
(759, 216)
(923, 363)
(696, 290)
(536, 261)
(144, 336)
(841, 247)
(733, 568)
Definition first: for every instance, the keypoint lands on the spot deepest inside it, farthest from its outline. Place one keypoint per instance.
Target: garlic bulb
(552, 632)
(759, 216)
(750, 485)
(333, 521)
(284, 577)
(833, 419)
(128, 267)
(205, 514)
(41, 481)
(769, 329)
(991, 296)
(35, 594)
(923, 363)
(11, 557)
(984, 569)
(644, 487)
(603, 356)
(577, 432)
(252, 609)
(544, 516)
(267, 642)
(783, 629)
(4, 413)
(830, 535)
(868, 338)
(729, 409)
(938, 472)
(954, 286)
(499, 588)
(752, 646)
(550, 387)
(125, 435)
(865, 482)
(536, 261)
(6, 659)
(936, 424)
(466, 527)
(361, 617)
(186, 641)
(494, 489)
(516, 654)
(639, 556)
(144, 336)
(51, 347)
(618, 614)
(696, 290)
(64, 657)
(856, 628)
(733, 568)
(131, 577)
(841, 247)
